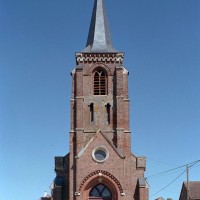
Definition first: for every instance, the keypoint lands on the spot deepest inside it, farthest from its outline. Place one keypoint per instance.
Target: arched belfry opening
(100, 81)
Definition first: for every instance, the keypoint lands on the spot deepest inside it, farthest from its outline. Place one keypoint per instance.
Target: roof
(142, 182)
(194, 189)
(99, 37)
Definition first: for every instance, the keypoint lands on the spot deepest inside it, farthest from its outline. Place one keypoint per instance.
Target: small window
(100, 154)
(91, 113)
(108, 113)
(100, 82)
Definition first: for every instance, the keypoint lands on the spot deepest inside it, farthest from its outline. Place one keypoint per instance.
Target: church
(100, 164)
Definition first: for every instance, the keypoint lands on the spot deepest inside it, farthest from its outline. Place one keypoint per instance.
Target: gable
(99, 140)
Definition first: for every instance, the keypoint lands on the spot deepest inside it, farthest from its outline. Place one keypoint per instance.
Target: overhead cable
(169, 183)
(164, 172)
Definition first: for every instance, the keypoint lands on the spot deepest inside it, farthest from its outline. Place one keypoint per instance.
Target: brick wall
(122, 170)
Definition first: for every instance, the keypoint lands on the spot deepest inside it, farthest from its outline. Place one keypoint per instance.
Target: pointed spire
(99, 38)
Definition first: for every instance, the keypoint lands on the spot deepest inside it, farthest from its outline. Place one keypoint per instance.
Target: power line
(161, 162)
(194, 163)
(189, 166)
(164, 172)
(196, 166)
(156, 160)
(169, 183)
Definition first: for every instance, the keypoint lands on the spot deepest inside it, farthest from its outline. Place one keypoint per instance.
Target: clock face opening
(100, 154)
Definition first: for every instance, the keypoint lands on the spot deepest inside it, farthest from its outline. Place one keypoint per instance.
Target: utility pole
(188, 190)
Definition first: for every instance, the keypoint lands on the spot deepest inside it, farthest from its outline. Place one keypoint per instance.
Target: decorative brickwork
(103, 57)
(99, 174)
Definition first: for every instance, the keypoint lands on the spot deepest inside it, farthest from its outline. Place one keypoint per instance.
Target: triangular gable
(108, 141)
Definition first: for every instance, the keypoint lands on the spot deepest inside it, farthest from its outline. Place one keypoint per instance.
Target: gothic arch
(104, 177)
(99, 65)
(100, 81)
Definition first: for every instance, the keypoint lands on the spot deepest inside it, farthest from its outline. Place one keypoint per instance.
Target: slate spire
(99, 37)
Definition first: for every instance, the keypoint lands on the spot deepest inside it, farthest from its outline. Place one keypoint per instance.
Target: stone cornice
(99, 57)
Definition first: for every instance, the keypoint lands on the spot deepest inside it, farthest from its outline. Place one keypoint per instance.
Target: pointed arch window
(100, 190)
(100, 82)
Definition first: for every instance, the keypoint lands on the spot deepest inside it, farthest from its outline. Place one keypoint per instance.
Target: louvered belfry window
(100, 82)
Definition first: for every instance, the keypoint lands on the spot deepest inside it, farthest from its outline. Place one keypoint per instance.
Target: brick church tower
(100, 164)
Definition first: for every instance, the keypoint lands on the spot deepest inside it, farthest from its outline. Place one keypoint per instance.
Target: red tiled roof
(194, 189)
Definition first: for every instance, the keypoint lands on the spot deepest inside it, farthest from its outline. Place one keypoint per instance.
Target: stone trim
(89, 131)
(120, 129)
(79, 97)
(79, 129)
(99, 57)
(99, 65)
(108, 131)
(127, 131)
(109, 142)
(102, 173)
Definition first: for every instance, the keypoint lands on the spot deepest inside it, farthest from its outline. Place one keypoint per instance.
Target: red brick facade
(100, 137)
(79, 171)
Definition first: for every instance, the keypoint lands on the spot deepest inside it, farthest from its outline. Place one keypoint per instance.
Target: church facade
(100, 164)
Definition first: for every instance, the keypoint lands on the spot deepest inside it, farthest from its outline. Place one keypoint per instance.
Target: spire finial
(99, 37)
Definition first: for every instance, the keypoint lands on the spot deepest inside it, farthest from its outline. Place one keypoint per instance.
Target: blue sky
(38, 39)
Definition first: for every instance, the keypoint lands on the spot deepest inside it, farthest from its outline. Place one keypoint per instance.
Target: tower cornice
(100, 57)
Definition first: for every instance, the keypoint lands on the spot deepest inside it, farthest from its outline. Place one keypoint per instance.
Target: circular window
(100, 154)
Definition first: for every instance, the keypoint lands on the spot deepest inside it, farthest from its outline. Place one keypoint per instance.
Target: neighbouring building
(100, 164)
(193, 191)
